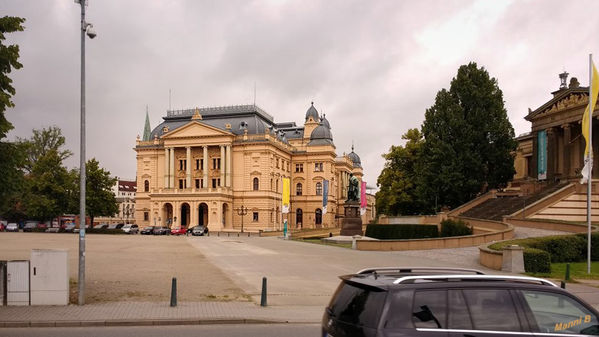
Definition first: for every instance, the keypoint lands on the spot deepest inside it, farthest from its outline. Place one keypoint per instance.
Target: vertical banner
(542, 155)
(363, 202)
(285, 208)
(325, 196)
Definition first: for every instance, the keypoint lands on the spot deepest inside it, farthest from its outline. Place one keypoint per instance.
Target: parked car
(453, 302)
(30, 226)
(116, 226)
(69, 228)
(178, 231)
(130, 229)
(101, 226)
(160, 231)
(199, 230)
(3, 224)
(12, 227)
(148, 230)
(52, 230)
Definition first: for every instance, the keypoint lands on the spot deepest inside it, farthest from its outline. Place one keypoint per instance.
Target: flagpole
(590, 154)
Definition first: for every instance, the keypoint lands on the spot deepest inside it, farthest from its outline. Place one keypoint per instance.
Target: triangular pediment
(195, 129)
(568, 99)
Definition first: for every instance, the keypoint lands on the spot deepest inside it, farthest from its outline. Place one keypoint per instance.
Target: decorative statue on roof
(353, 190)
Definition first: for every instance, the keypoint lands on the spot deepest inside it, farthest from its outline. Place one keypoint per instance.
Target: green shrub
(401, 232)
(536, 261)
(594, 245)
(562, 248)
(455, 228)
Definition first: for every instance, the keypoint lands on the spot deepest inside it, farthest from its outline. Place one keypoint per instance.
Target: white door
(17, 279)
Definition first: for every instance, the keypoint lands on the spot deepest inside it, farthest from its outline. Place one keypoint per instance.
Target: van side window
(492, 309)
(429, 309)
(557, 313)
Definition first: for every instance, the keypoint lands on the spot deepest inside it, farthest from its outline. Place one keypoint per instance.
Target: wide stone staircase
(502, 205)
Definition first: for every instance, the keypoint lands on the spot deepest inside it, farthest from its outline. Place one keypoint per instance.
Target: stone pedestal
(513, 259)
(351, 223)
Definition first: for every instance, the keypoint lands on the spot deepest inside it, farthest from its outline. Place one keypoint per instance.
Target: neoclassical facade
(224, 167)
(553, 150)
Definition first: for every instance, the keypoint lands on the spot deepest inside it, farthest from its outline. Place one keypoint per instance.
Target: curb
(137, 322)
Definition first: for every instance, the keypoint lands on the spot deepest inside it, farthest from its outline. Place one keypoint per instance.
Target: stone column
(534, 163)
(172, 168)
(166, 167)
(228, 161)
(188, 167)
(222, 164)
(205, 166)
(567, 152)
(551, 154)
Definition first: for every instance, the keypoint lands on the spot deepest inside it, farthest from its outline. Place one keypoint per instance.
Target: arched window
(298, 189)
(146, 186)
(318, 216)
(318, 188)
(299, 218)
(256, 184)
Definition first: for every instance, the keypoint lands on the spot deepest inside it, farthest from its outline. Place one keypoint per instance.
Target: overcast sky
(373, 67)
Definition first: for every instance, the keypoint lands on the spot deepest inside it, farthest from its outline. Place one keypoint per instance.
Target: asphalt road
(262, 330)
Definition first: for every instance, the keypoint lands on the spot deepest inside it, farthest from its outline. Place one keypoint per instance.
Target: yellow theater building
(223, 167)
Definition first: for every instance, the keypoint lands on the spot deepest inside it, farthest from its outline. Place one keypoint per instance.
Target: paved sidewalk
(155, 313)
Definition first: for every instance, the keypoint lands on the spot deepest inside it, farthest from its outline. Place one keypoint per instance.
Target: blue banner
(542, 155)
(325, 196)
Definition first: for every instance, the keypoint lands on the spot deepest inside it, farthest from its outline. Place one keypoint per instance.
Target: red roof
(127, 186)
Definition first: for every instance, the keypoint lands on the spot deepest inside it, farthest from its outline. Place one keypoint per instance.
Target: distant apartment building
(124, 192)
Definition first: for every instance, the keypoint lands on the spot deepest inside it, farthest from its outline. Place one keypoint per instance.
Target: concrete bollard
(174, 292)
(263, 295)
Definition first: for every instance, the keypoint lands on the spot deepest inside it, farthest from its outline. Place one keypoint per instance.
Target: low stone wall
(490, 231)
(489, 258)
(548, 225)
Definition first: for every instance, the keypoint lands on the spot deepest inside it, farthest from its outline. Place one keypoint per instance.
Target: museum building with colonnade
(223, 167)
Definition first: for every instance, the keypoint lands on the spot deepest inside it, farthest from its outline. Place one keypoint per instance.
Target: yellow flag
(285, 208)
(586, 117)
(594, 90)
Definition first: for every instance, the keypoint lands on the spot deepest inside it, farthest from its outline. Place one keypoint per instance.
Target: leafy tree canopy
(469, 141)
(9, 59)
(41, 143)
(100, 200)
(397, 183)
(466, 146)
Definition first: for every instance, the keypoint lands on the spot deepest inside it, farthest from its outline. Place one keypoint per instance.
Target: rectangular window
(255, 216)
(197, 164)
(213, 183)
(318, 167)
(277, 162)
(146, 216)
(197, 183)
(216, 163)
(299, 167)
(182, 184)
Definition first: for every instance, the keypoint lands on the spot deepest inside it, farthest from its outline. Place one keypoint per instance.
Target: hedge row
(103, 231)
(556, 248)
(399, 232)
(455, 228)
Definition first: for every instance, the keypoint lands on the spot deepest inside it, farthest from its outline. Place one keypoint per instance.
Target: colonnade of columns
(564, 152)
(170, 169)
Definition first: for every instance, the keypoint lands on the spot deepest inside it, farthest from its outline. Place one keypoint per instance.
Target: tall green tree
(11, 177)
(469, 141)
(41, 143)
(397, 182)
(50, 188)
(99, 198)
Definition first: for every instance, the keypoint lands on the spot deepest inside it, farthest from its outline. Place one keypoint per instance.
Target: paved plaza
(300, 280)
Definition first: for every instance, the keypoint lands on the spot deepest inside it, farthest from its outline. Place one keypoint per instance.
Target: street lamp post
(86, 28)
(242, 212)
